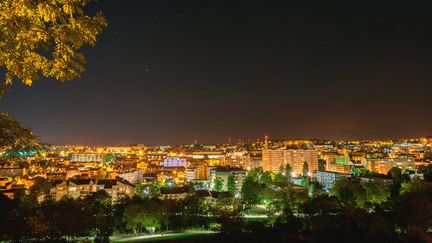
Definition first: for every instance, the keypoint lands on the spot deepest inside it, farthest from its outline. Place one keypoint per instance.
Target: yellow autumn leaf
(28, 82)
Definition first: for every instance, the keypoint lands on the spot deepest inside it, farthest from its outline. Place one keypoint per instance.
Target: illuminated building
(274, 160)
(178, 175)
(328, 179)
(340, 168)
(80, 188)
(211, 158)
(131, 176)
(118, 150)
(224, 173)
(174, 162)
(336, 162)
(382, 166)
(196, 172)
(238, 159)
(102, 158)
(255, 159)
(297, 158)
(11, 171)
(341, 159)
(173, 193)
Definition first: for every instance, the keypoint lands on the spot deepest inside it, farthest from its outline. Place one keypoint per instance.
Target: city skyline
(215, 121)
(174, 73)
(232, 141)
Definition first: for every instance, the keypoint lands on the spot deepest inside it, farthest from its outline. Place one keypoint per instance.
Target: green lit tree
(154, 189)
(280, 178)
(376, 192)
(148, 215)
(315, 189)
(251, 190)
(349, 192)
(231, 184)
(139, 188)
(266, 178)
(355, 171)
(133, 218)
(217, 184)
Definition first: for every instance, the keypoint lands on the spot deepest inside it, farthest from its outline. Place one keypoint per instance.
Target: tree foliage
(349, 192)
(149, 215)
(13, 137)
(376, 192)
(305, 169)
(231, 184)
(251, 191)
(217, 184)
(40, 186)
(43, 37)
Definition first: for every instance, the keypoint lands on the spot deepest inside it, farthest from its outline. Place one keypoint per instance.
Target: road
(165, 236)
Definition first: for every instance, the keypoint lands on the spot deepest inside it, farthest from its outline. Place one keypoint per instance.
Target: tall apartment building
(272, 160)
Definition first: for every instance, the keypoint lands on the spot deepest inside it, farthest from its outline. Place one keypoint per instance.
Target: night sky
(171, 72)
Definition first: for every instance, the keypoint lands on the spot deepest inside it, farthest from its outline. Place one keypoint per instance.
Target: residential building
(80, 188)
(276, 160)
(328, 179)
(175, 162)
(198, 172)
(89, 157)
(224, 173)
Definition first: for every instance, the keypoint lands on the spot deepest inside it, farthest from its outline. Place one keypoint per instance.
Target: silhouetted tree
(100, 204)
(288, 172)
(305, 169)
(231, 222)
(13, 137)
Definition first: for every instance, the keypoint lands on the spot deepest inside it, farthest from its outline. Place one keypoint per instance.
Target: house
(173, 193)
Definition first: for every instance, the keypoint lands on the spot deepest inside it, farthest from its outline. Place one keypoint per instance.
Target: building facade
(328, 179)
(102, 158)
(224, 173)
(175, 162)
(276, 160)
(80, 188)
